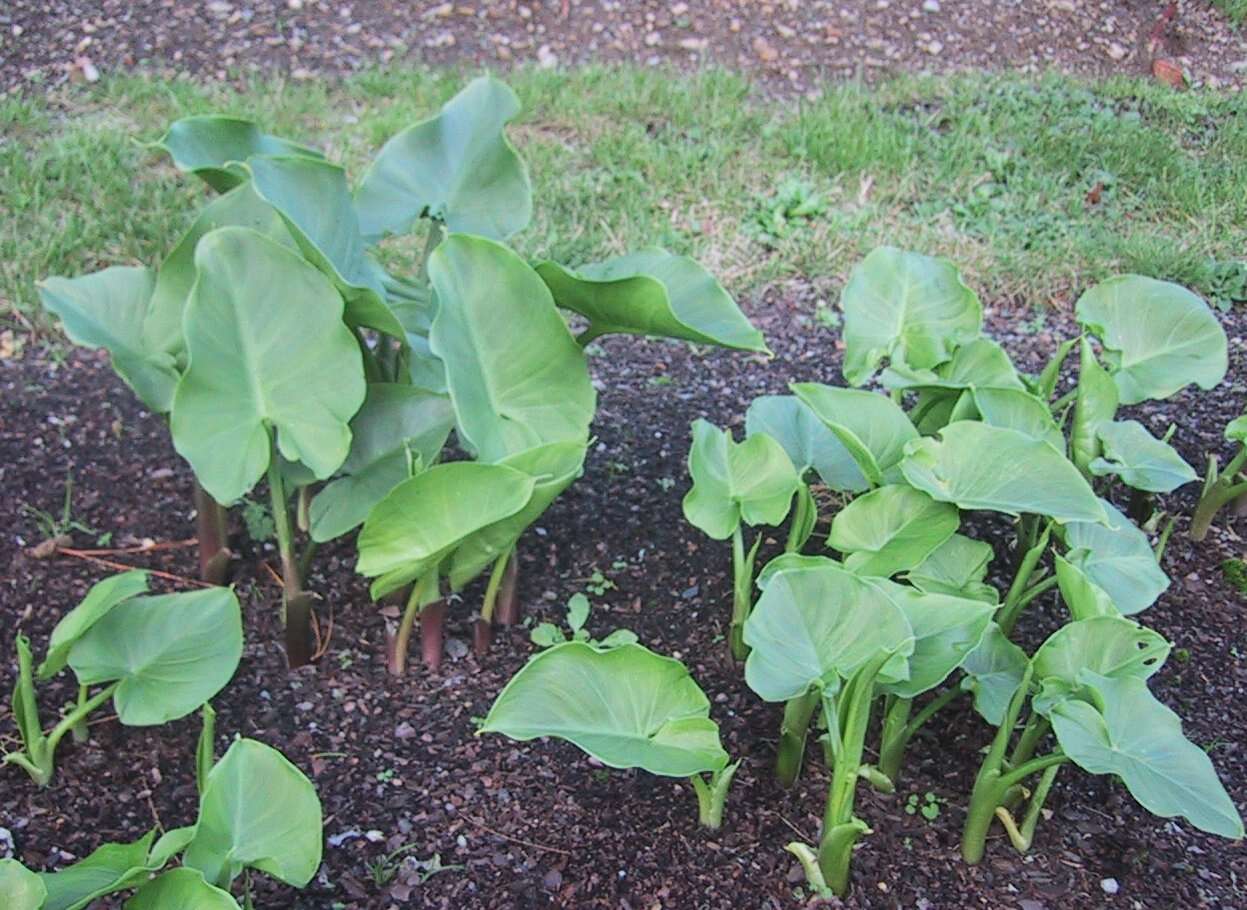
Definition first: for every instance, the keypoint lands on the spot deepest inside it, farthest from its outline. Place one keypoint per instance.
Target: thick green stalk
(1219, 490)
(38, 760)
(840, 828)
(804, 516)
(896, 736)
(712, 795)
(483, 631)
(296, 605)
(212, 537)
(988, 792)
(792, 736)
(742, 591)
(1008, 614)
(205, 749)
(80, 732)
(1022, 839)
(397, 663)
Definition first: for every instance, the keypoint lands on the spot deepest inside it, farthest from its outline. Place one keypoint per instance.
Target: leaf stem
(712, 795)
(296, 607)
(793, 732)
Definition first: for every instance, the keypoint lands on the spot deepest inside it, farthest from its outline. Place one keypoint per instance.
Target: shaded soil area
(538, 825)
(788, 44)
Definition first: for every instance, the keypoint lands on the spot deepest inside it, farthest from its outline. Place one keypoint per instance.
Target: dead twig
(516, 840)
(122, 567)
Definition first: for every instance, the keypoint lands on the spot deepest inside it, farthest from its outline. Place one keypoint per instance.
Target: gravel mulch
(788, 45)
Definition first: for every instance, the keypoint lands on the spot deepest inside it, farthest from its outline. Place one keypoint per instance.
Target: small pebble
(1109, 885)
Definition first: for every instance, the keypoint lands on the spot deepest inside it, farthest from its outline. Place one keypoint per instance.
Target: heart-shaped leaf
(268, 353)
(457, 167)
(240, 207)
(1082, 596)
(945, 629)
(814, 627)
(977, 466)
(211, 147)
(517, 378)
(1158, 336)
(1110, 646)
(653, 292)
(1017, 410)
(752, 480)
(1140, 459)
(313, 200)
(891, 529)
(423, 519)
(957, 567)
(102, 597)
(108, 310)
(171, 653)
(807, 440)
(978, 364)
(397, 428)
(257, 811)
(906, 307)
(871, 426)
(1119, 559)
(1125, 731)
(626, 706)
(552, 468)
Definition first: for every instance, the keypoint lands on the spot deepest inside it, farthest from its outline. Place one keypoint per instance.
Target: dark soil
(539, 825)
(787, 44)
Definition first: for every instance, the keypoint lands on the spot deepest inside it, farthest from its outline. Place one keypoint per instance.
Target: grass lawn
(1035, 187)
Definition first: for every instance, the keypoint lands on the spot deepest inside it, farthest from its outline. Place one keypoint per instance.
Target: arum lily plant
(627, 707)
(282, 350)
(1222, 486)
(236, 831)
(157, 657)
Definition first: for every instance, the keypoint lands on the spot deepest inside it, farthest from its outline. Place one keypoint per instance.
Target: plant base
(432, 623)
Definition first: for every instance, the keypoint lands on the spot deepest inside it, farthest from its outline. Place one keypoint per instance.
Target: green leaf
(257, 366)
(577, 612)
(617, 638)
(653, 292)
(546, 635)
(751, 480)
(240, 207)
(1082, 596)
(627, 707)
(785, 561)
(978, 364)
(552, 468)
(906, 307)
(102, 597)
(425, 518)
(814, 627)
(1140, 459)
(457, 167)
(1158, 336)
(1021, 411)
(108, 309)
(871, 426)
(1095, 404)
(257, 811)
(978, 466)
(1108, 645)
(171, 653)
(945, 629)
(20, 888)
(994, 670)
(1236, 429)
(891, 529)
(517, 378)
(211, 146)
(397, 427)
(313, 199)
(181, 889)
(807, 440)
(957, 567)
(109, 868)
(1118, 559)
(1125, 731)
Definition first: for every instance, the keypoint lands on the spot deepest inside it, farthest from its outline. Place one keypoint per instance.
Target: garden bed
(395, 760)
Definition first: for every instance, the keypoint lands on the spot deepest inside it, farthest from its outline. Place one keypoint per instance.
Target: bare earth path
(789, 44)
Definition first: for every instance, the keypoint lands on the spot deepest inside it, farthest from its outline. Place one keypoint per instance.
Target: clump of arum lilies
(893, 615)
(280, 349)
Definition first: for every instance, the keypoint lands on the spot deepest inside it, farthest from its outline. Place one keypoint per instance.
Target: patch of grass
(1236, 10)
(1235, 572)
(1034, 186)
